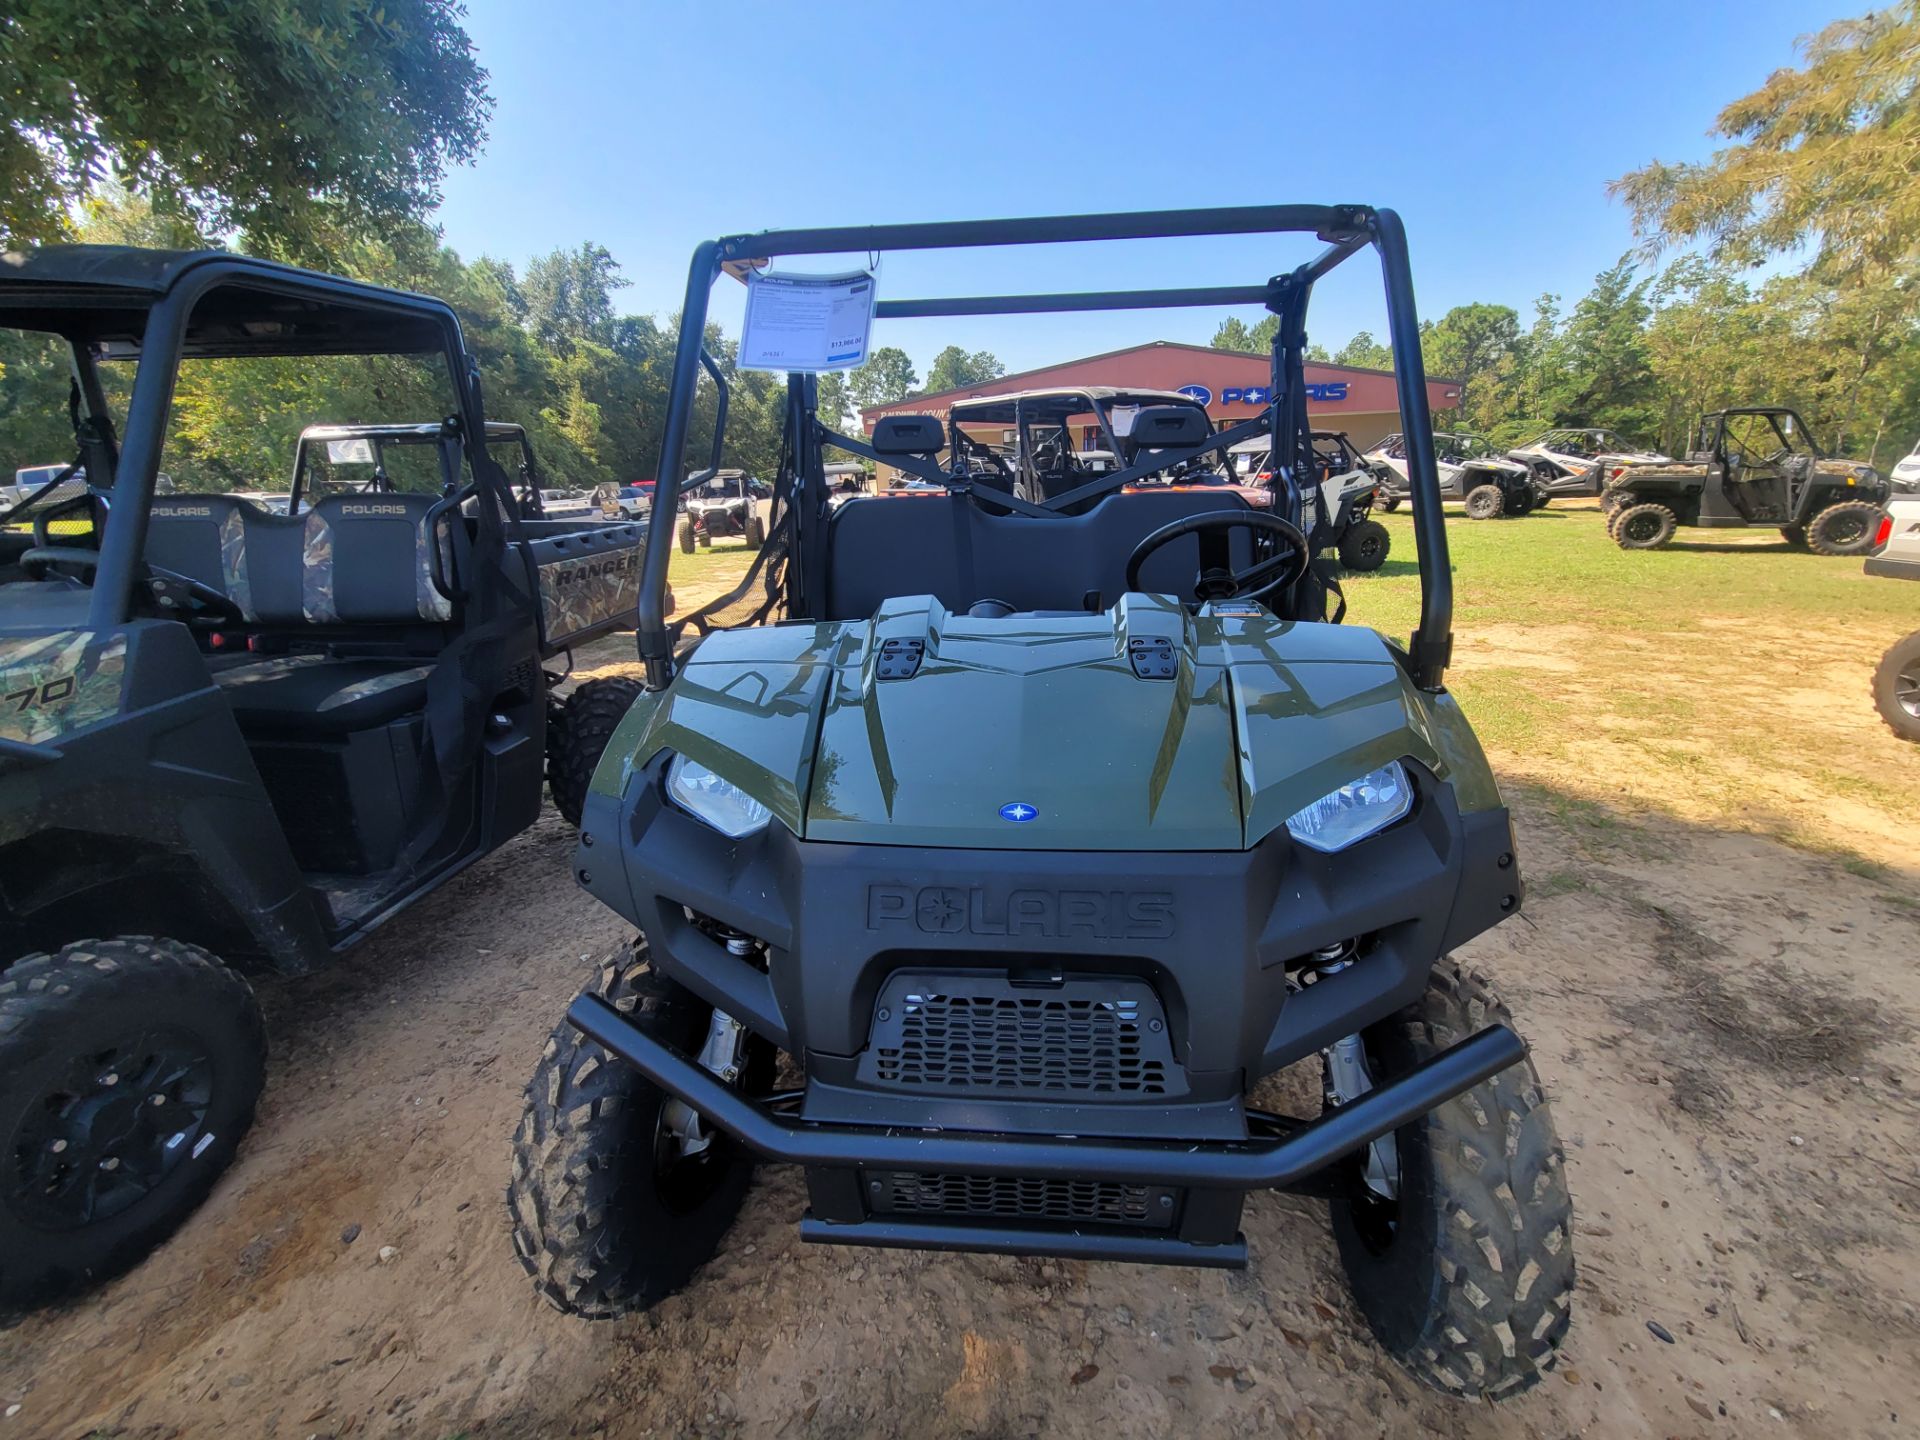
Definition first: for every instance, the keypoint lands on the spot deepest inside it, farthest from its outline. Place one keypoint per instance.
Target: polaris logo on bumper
(1046, 914)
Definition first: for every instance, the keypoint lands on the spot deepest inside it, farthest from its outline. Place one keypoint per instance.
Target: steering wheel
(1218, 582)
(37, 560)
(178, 594)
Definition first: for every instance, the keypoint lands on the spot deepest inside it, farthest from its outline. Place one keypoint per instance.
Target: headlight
(720, 803)
(1354, 811)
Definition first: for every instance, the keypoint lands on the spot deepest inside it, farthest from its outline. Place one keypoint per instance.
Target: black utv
(1755, 467)
(237, 739)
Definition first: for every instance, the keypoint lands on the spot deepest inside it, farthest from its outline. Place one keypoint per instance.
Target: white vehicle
(725, 502)
(1471, 470)
(1581, 462)
(1906, 474)
(566, 504)
(1336, 507)
(1896, 682)
(846, 480)
(29, 478)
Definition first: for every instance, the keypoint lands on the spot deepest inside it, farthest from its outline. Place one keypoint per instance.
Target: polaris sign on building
(1233, 385)
(1257, 395)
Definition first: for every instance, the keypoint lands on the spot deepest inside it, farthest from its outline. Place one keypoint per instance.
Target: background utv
(1038, 834)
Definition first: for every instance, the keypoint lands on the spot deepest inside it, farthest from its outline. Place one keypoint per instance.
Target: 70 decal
(38, 697)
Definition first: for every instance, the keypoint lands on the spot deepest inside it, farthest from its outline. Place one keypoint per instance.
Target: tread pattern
(587, 1227)
(1485, 1312)
(1365, 546)
(40, 994)
(1820, 544)
(586, 722)
(1886, 675)
(1616, 527)
(1492, 504)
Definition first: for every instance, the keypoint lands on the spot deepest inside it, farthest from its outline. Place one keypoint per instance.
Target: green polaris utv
(1038, 832)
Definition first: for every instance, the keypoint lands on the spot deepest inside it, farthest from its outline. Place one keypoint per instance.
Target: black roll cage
(442, 436)
(165, 327)
(1772, 413)
(1344, 229)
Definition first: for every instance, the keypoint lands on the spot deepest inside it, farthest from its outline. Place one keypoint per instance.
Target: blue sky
(1493, 129)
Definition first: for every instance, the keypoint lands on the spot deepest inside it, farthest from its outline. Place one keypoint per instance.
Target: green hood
(1259, 718)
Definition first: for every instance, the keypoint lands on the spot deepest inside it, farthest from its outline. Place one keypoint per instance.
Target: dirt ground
(1727, 1027)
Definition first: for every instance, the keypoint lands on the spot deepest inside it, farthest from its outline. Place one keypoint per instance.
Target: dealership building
(1232, 384)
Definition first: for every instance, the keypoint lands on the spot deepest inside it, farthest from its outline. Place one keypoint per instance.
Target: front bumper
(1893, 567)
(1178, 963)
(841, 1158)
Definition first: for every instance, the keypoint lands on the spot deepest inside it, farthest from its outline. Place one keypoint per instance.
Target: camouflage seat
(350, 560)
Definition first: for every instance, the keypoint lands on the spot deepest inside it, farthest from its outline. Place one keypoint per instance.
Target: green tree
(954, 369)
(835, 401)
(566, 296)
(887, 376)
(1363, 350)
(1235, 334)
(1471, 344)
(294, 120)
(576, 417)
(1823, 156)
(1596, 370)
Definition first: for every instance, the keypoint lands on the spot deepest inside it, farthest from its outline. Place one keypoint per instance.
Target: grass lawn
(707, 572)
(1721, 680)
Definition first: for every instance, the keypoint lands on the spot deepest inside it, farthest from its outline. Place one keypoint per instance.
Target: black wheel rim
(1906, 690)
(684, 1182)
(110, 1129)
(1369, 547)
(1376, 1217)
(1846, 530)
(1642, 527)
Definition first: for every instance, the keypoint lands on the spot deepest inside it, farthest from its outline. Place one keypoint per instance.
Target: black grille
(1083, 1038)
(1007, 1197)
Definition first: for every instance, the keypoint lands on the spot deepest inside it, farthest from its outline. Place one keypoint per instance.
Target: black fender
(150, 820)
